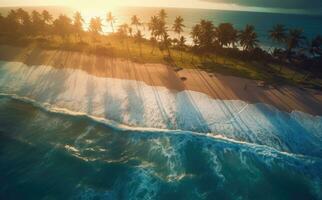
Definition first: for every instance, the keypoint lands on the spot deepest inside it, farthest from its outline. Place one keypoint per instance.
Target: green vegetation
(220, 49)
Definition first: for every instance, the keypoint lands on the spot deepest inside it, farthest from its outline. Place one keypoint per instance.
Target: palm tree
(162, 33)
(166, 42)
(37, 22)
(95, 26)
(178, 26)
(153, 25)
(78, 25)
(136, 22)
(203, 35)
(278, 34)
(2, 19)
(294, 40)
(182, 45)
(130, 31)
(195, 34)
(111, 19)
(162, 15)
(158, 30)
(24, 20)
(11, 22)
(315, 46)
(226, 34)
(123, 32)
(63, 26)
(139, 38)
(47, 17)
(123, 29)
(20, 13)
(248, 38)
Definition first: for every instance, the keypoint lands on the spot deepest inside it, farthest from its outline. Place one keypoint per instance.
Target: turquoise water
(66, 134)
(46, 155)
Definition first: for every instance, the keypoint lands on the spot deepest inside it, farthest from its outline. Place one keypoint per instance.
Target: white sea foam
(136, 104)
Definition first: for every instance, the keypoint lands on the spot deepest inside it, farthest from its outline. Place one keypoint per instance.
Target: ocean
(66, 134)
(263, 22)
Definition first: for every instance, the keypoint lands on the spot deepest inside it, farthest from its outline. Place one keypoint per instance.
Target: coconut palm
(158, 30)
(278, 34)
(24, 21)
(166, 43)
(20, 13)
(226, 34)
(2, 19)
(195, 34)
(203, 35)
(63, 26)
(78, 25)
(135, 21)
(182, 45)
(37, 22)
(95, 26)
(153, 26)
(162, 15)
(11, 22)
(111, 19)
(130, 30)
(162, 34)
(139, 38)
(294, 40)
(178, 26)
(123, 29)
(47, 17)
(248, 38)
(315, 46)
(123, 33)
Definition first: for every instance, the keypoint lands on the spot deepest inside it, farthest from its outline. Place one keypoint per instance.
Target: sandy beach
(217, 86)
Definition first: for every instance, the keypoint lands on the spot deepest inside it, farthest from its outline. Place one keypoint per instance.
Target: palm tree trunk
(112, 27)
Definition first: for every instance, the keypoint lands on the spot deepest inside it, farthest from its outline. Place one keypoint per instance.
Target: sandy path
(216, 85)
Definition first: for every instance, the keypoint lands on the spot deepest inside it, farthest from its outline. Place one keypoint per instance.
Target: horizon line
(288, 11)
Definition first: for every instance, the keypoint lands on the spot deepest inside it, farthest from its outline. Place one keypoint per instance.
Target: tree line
(290, 45)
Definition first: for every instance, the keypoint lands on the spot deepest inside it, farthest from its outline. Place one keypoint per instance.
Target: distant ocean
(263, 22)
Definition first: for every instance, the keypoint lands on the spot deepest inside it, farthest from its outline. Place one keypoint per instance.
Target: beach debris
(183, 78)
(176, 69)
(260, 84)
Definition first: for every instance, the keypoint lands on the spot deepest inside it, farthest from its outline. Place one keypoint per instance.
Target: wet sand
(218, 86)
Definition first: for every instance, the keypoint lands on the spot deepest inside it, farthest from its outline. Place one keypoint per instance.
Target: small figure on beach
(245, 86)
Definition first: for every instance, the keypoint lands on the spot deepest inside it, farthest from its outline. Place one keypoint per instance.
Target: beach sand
(217, 86)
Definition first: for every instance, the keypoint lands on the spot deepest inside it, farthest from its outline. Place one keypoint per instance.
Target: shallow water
(66, 134)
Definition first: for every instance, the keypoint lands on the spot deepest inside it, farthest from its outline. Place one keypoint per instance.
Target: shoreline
(217, 86)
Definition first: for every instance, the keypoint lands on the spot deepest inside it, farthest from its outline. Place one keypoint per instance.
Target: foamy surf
(135, 104)
(77, 157)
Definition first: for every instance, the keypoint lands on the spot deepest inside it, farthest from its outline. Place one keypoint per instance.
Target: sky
(293, 6)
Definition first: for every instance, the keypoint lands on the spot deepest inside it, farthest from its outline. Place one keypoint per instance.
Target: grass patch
(145, 52)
